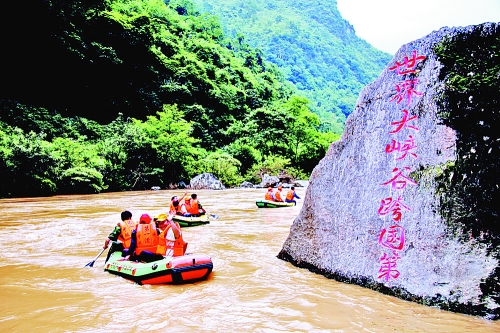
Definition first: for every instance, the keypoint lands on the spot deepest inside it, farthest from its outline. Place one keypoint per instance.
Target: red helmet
(145, 218)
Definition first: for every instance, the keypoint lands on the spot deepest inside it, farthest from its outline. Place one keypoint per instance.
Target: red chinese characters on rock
(399, 181)
(405, 90)
(408, 65)
(403, 123)
(403, 148)
(388, 268)
(392, 239)
(393, 207)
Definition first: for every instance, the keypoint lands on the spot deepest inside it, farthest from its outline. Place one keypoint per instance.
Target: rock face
(206, 181)
(393, 205)
(268, 180)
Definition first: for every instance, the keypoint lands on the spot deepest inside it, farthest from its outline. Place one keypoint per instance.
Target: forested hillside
(117, 95)
(312, 45)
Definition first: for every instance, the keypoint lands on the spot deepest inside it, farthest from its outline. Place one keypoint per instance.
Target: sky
(389, 24)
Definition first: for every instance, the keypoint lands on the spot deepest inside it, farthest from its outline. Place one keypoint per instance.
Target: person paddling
(291, 195)
(121, 236)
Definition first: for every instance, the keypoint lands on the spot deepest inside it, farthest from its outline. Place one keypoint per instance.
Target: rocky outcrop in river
(206, 181)
(407, 201)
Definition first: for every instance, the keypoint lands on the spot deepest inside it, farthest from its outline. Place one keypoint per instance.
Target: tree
(169, 137)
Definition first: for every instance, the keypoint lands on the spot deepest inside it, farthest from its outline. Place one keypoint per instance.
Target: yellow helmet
(161, 217)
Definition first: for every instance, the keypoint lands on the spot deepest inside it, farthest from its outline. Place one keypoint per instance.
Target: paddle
(213, 215)
(91, 264)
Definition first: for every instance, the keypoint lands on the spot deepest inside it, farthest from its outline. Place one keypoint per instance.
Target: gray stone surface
(337, 231)
(206, 181)
(268, 180)
(246, 185)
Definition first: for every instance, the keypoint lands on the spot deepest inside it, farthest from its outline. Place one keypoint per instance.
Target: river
(45, 286)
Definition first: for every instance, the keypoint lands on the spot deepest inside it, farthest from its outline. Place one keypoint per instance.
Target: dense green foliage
(128, 94)
(471, 105)
(132, 57)
(312, 44)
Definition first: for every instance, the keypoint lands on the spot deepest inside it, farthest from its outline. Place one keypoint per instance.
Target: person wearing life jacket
(121, 236)
(174, 203)
(269, 194)
(176, 207)
(183, 206)
(291, 195)
(195, 208)
(171, 242)
(179, 206)
(144, 238)
(278, 193)
(186, 206)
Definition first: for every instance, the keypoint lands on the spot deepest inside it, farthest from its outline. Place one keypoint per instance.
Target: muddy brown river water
(44, 286)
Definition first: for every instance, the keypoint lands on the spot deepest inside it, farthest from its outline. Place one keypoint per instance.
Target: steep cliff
(407, 201)
(316, 49)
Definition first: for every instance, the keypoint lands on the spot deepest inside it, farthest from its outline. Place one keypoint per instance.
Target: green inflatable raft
(170, 270)
(273, 204)
(191, 221)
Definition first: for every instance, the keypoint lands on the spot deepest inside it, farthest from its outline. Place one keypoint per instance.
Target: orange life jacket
(178, 209)
(277, 195)
(187, 203)
(194, 208)
(126, 232)
(147, 237)
(170, 248)
(290, 195)
(269, 196)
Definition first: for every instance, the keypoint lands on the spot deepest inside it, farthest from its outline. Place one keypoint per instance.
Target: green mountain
(96, 59)
(108, 95)
(312, 45)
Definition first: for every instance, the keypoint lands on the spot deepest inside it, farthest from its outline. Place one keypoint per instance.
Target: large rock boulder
(246, 184)
(269, 181)
(301, 183)
(407, 201)
(206, 181)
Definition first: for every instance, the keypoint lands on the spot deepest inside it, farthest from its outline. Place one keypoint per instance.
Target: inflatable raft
(273, 204)
(191, 221)
(171, 270)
